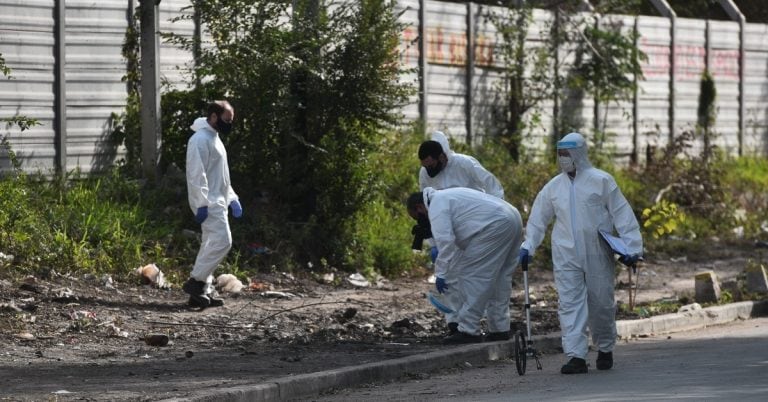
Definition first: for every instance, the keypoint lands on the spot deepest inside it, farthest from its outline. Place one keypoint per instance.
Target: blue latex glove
(433, 254)
(201, 215)
(629, 260)
(440, 285)
(525, 258)
(237, 209)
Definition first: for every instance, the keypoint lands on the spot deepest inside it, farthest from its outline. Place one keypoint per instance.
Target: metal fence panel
(26, 44)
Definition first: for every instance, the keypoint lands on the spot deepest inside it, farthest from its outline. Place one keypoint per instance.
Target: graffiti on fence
(690, 62)
(443, 47)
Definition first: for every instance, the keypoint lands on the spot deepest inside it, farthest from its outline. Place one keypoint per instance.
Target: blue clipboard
(616, 244)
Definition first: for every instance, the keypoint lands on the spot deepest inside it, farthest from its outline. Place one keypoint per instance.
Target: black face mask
(432, 171)
(222, 126)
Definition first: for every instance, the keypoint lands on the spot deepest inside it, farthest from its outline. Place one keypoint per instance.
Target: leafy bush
(310, 105)
(100, 225)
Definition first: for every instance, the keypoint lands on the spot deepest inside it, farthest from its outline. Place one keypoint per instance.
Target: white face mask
(566, 164)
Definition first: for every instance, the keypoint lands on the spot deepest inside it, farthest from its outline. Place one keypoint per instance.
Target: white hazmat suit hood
(576, 146)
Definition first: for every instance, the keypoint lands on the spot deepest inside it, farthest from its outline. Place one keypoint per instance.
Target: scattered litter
(228, 283)
(8, 258)
(689, 307)
(278, 295)
(152, 275)
(25, 336)
(107, 282)
(761, 244)
(115, 332)
(156, 340)
(10, 307)
(257, 248)
(259, 286)
(62, 392)
(358, 280)
(188, 354)
(288, 276)
(328, 278)
(431, 279)
(64, 295)
(679, 259)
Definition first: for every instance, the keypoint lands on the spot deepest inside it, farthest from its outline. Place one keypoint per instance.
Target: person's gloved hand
(201, 215)
(433, 254)
(237, 209)
(525, 257)
(440, 285)
(629, 260)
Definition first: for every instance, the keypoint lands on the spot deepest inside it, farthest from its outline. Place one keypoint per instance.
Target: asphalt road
(724, 363)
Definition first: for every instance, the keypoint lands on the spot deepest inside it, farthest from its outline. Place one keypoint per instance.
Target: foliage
(126, 126)
(662, 219)
(99, 225)
(312, 100)
(604, 59)
(527, 79)
(382, 240)
(22, 122)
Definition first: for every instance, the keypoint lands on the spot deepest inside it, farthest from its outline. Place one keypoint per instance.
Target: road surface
(723, 363)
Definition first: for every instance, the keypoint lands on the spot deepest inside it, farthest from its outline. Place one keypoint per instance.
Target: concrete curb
(690, 320)
(303, 385)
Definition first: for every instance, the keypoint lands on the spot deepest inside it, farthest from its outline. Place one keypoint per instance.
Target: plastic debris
(257, 248)
(228, 283)
(328, 278)
(259, 286)
(278, 295)
(152, 275)
(358, 280)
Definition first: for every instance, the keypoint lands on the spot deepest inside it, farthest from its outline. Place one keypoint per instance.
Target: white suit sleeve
(541, 215)
(442, 232)
(485, 179)
(624, 219)
(197, 181)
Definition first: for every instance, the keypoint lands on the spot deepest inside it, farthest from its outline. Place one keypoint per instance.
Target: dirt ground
(81, 338)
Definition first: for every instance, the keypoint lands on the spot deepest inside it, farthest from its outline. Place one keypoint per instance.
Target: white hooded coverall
(479, 238)
(208, 185)
(460, 171)
(583, 264)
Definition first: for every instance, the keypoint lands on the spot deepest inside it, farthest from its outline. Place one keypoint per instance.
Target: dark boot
(604, 360)
(453, 327)
(196, 291)
(497, 336)
(574, 366)
(461, 337)
(214, 302)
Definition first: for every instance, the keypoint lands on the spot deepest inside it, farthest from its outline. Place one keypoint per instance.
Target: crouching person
(479, 238)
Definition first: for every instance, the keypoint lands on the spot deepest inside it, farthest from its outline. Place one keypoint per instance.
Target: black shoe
(604, 360)
(213, 302)
(461, 337)
(574, 366)
(196, 292)
(497, 336)
(453, 327)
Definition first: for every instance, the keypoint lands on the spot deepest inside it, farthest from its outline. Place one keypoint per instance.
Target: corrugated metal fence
(461, 47)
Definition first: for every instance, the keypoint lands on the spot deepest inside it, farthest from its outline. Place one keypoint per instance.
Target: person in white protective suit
(443, 168)
(479, 237)
(583, 200)
(210, 194)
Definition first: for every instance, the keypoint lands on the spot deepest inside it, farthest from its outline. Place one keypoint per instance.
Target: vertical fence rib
(60, 86)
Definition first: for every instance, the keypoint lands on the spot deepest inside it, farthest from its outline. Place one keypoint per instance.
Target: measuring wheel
(520, 352)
